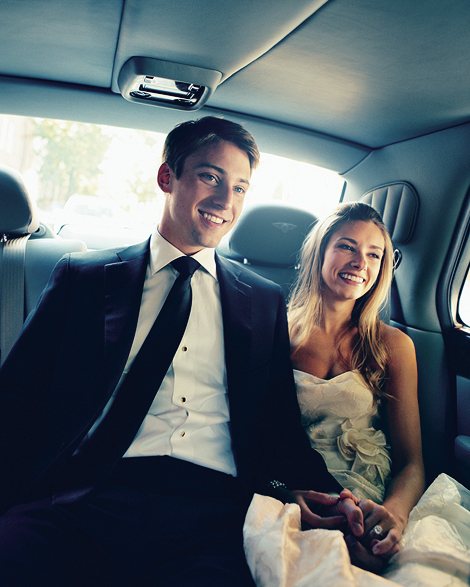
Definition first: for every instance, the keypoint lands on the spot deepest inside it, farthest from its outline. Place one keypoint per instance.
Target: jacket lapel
(236, 299)
(124, 282)
(236, 302)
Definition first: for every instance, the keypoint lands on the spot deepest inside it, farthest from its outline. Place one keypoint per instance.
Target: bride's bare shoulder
(397, 341)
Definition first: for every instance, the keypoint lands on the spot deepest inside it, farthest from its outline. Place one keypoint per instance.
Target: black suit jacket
(74, 347)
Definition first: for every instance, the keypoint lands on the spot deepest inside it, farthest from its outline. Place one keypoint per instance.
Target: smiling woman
(356, 381)
(62, 161)
(352, 261)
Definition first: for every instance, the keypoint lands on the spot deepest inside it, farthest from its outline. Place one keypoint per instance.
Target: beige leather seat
(267, 238)
(28, 254)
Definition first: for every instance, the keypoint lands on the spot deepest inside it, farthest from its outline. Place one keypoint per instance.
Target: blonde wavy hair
(306, 304)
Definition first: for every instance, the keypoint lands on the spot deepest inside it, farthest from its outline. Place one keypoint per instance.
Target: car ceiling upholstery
(369, 72)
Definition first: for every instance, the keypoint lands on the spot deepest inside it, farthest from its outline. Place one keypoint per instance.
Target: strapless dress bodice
(339, 417)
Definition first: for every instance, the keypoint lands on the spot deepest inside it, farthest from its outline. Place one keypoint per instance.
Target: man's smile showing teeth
(352, 277)
(212, 218)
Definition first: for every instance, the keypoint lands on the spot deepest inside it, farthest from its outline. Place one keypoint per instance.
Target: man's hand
(362, 557)
(320, 510)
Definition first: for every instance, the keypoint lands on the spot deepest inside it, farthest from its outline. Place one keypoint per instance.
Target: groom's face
(204, 203)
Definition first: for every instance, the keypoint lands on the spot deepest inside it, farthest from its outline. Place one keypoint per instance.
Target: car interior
(376, 91)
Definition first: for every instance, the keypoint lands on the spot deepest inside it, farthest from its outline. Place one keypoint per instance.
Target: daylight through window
(92, 182)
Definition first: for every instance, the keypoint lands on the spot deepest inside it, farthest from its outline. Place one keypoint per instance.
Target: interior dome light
(163, 83)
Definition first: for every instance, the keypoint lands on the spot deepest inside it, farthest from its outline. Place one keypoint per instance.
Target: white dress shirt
(189, 416)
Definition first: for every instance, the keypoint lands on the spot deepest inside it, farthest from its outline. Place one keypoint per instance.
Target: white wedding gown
(338, 416)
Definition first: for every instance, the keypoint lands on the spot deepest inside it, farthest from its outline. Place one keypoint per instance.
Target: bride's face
(352, 260)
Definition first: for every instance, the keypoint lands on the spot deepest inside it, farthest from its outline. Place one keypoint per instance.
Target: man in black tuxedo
(168, 509)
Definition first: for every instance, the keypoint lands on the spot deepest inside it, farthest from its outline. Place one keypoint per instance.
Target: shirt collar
(163, 252)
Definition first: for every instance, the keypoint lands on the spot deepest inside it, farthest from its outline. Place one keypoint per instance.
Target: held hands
(371, 531)
(382, 531)
(319, 510)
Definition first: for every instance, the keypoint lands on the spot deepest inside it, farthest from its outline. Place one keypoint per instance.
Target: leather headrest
(17, 211)
(269, 234)
(398, 205)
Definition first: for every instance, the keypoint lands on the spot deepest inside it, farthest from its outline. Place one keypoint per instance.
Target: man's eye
(209, 177)
(240, 191)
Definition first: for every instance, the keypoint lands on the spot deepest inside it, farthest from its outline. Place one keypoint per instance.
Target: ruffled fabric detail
(367, 451)
(338, 416)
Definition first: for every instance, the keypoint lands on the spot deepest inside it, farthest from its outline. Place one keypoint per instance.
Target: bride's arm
(407, 483)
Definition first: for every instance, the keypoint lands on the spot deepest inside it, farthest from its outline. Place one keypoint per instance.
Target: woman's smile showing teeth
(352, 260)
(350, 277)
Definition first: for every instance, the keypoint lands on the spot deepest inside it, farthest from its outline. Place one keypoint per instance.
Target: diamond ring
(377, 530)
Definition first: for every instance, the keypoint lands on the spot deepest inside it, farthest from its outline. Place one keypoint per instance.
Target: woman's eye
(346, 247)
(240, 191)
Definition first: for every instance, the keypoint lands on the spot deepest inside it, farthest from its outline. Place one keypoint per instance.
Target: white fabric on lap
(280, 554)
(435, 546)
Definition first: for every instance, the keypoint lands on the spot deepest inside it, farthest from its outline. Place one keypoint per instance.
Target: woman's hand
(379, 540)
(382, 530)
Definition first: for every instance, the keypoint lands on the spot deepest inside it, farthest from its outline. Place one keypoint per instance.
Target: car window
(98, 183)
(464, 302)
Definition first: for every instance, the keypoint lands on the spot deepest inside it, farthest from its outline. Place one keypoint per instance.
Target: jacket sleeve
(25, 375)
(289, 457)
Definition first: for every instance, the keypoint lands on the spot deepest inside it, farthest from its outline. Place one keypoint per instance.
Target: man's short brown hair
(188, 137)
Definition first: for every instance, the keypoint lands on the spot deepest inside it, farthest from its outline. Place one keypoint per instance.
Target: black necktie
(99, 453)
